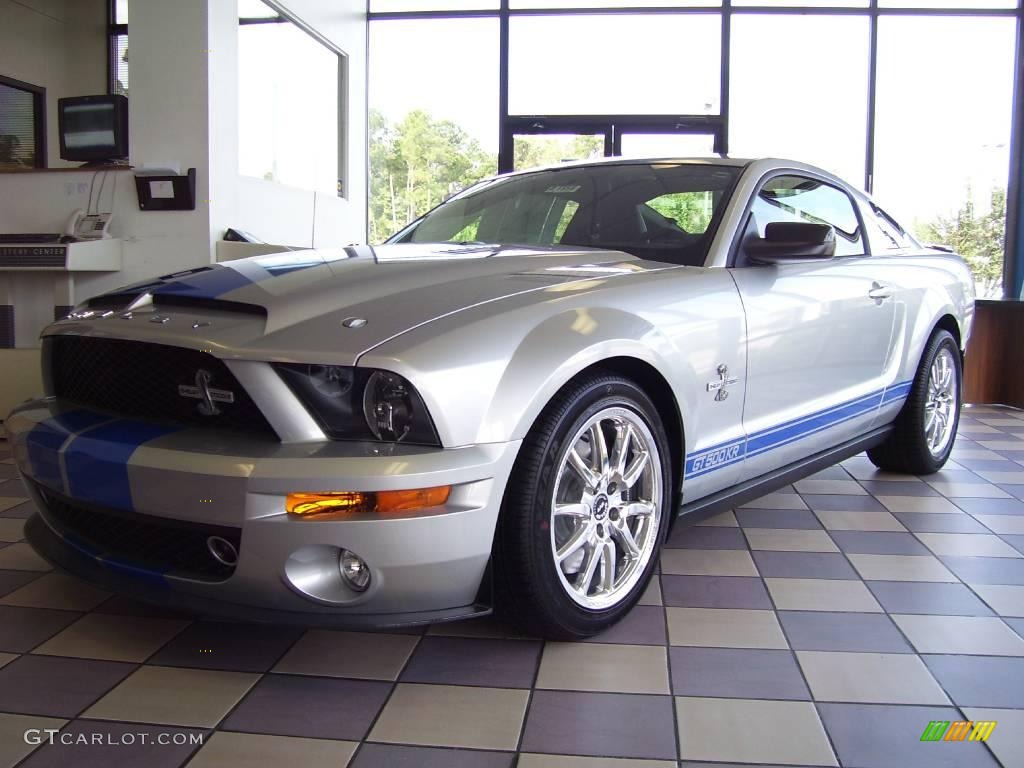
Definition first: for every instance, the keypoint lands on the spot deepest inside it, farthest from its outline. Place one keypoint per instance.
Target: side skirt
(771, 481)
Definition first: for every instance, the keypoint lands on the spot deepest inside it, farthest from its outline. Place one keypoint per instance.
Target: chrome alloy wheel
(606, 508)
(942, 400)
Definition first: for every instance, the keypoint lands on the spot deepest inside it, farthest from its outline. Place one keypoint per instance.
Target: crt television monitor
(93, 128)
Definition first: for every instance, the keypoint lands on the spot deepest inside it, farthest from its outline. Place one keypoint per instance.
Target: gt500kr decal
(709, 459)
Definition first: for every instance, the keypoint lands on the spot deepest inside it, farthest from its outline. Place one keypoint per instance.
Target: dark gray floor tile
(126, 606)
(778, 518)
(121, 744)
(22, 629)
(601, 724)
(991, 506)
(986, 465)
(12, 580)
(835, 472)
(706, 537)
(980, 681)
(395, 756)
(824, 631)
(1017, 491)
(316, 707)
(928, 598)
(644, 625)
(803, 565)
(1015, 540)
(235, 647)
(939, 522)
(881, 736)
(840, 502)
(878, 543)
(714, 592)
(55, 685)
(987, 570)
(898, 488)
(473, 661)
(955, 475)
(736, 673)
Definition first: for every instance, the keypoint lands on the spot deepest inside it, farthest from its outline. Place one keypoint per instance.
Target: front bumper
(426, 566)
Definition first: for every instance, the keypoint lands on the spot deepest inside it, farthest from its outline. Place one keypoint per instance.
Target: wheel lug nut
(611, 487)
(600, 530)
(613, 514)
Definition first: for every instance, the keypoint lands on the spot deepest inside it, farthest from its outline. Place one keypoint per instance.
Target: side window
(798, 198)
(885, 234)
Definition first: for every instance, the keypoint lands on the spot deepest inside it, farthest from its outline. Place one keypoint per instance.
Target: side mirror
(786, 242)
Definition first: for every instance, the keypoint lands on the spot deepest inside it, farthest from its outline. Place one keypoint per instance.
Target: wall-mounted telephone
(88, 226)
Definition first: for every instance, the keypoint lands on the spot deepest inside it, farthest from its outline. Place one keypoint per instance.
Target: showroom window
(290, 109)
(117, 47)
(847, 85)
(22, 125)
(948, 183)
(433, 124)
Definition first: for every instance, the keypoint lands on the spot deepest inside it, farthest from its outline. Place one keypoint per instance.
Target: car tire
(925, 428)
(576, 546)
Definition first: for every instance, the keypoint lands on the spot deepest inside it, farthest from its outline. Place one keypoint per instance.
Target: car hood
(333, 305)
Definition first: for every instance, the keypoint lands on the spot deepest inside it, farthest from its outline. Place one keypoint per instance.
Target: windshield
(661, 211)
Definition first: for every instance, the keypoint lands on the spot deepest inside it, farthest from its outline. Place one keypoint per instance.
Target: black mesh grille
(141, 380)
(175, 547)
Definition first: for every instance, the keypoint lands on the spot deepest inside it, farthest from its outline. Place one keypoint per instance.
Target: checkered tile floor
(823, 625)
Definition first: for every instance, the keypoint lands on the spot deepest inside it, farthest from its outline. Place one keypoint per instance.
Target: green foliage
(690, 210)
(979, 239)
(415, 165)
(534, 151)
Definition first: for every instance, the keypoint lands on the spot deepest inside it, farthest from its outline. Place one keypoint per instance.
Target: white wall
(60, 45)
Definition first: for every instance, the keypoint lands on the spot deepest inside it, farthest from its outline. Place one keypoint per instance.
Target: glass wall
(908, 99)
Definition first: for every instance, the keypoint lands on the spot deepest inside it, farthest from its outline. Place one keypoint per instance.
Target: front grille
(141, 380)
(173, 547)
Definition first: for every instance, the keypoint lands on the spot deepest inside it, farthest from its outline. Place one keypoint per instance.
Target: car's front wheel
(585, 510)
(925, 429)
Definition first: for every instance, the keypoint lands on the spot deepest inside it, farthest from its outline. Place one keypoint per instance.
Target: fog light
(354, 571)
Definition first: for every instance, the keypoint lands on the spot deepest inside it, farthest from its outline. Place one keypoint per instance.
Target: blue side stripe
(208, 284)
(735, 451)
(44, 440)
(97, 462)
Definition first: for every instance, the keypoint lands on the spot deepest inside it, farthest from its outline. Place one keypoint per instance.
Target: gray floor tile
(799, 519)
(980, 681)
(471, 661)
(878, 543)
(22, 629)
(600, 724)
(705, 537)
(397, 756)
(822, 631)
(882, 736)
(12, 580)
(121, 744)
(932, 522)
(803, 565)
(736, 673)
(644, 625)
(898, 488)
(843, 503)
(1015, 540)
(235, 647)
(928, 597)
(316, 707)
(57, 686)
(1017, 625)
(715, 591)
(992, 506)
(986, 570)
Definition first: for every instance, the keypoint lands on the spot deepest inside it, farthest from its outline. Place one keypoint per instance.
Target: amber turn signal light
(339, 504)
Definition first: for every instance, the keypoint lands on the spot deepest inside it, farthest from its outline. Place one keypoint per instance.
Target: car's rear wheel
(926, 427)
(585, 510)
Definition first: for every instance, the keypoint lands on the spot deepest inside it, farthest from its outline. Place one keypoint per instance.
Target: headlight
(361, 404)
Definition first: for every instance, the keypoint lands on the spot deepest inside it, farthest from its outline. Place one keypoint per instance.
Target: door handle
(880, 292)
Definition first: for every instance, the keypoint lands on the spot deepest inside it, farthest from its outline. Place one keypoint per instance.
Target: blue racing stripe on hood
(207, 284)
(97, 462)
(44, 440)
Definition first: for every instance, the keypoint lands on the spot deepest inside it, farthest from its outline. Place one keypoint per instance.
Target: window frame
(38, 94)
(737, 238)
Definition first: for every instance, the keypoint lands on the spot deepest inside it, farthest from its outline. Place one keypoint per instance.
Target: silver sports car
(509, 403)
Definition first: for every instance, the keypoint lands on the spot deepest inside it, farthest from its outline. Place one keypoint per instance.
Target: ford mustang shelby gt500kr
(512, 400)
